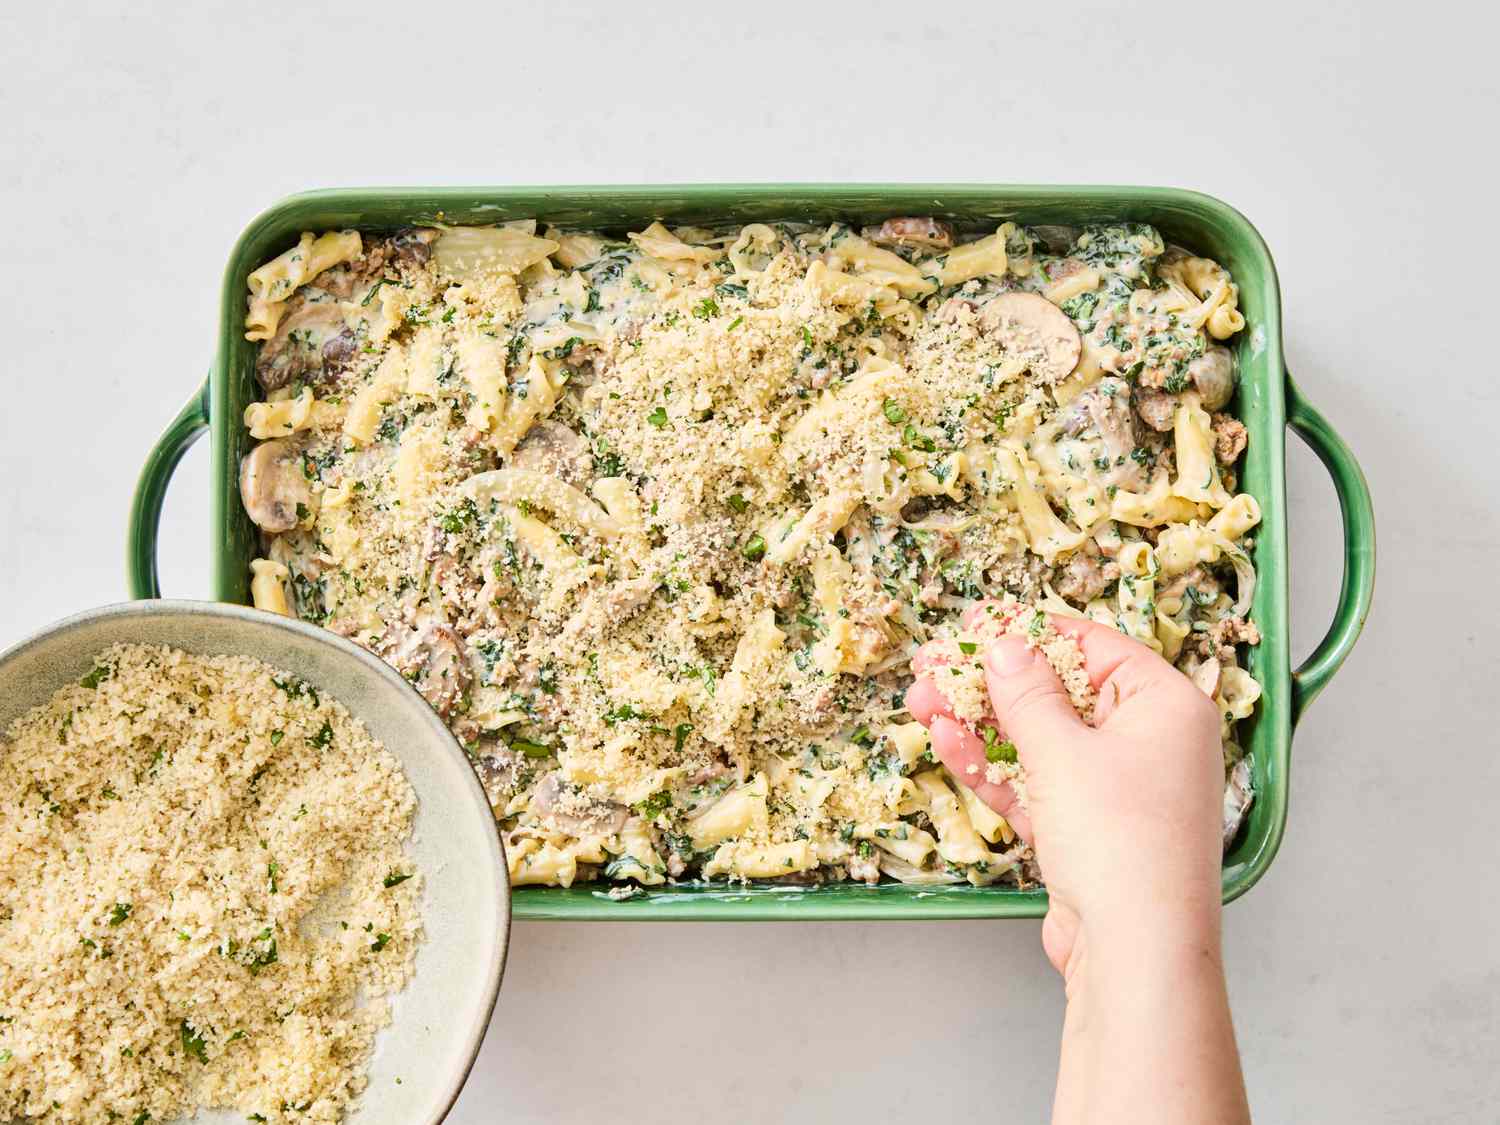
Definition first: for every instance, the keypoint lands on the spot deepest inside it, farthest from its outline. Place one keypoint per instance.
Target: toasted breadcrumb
(205, 899)
(959, 673)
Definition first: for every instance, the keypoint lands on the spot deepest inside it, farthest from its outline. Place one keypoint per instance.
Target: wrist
(1145, 943)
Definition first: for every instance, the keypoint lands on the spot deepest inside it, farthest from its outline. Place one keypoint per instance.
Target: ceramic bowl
(441, 1017)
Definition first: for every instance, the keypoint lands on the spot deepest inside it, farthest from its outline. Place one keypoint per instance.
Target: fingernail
(1008, 655)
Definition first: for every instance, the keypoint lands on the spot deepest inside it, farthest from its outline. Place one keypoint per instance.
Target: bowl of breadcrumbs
(245, 872)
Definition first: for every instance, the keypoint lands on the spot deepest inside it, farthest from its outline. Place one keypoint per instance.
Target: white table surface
(1365, 968)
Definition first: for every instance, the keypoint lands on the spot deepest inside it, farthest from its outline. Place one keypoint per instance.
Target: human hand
(1124, 815)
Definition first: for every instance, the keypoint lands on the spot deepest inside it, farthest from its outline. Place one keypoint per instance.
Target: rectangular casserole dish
(1267, 401)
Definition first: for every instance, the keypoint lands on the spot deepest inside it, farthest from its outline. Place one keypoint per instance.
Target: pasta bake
(656, 522)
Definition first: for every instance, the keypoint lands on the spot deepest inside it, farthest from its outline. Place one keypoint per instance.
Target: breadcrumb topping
(205, 897)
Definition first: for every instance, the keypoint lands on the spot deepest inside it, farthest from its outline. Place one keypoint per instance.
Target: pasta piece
(466, 253)
(1237, 696)
(760, 649)
(1137, 593)
(1084, 281)
(880, 267)
(990, 825)
(1216, 296)
(481, 362)
(957, 841)
(976, 259)
(523, 486)
(534, 863)
(741, 810)
(908, 844)
(659, 242)
(618, 496)
(268, 586)
(389, 380)
(418, 470)
(1153, 507)
(566, 333)
(785, 541)
(1170, 633)
(763, 861)
(1197, 467)
(851, 292)
(574, 250)
(1180, 547)
(565, 568)
(278, 279)
(753, 249)
(910, 740)
(1048, 535)
(426, 364)
(843, 648)
(531, 399)
(267, 420)
(1236, 518)
(638, 858)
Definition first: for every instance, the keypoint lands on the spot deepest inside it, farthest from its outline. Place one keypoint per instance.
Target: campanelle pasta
(655, 522)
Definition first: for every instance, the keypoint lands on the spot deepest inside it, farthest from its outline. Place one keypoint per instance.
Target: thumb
(1030, 702)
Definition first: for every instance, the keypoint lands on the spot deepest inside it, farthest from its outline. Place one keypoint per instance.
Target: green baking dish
(1267, 401)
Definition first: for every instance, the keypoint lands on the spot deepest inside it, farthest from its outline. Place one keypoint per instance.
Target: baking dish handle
(1359, 549)
(151, 490)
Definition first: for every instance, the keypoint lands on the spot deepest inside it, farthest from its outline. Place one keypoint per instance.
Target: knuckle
(1030, 698)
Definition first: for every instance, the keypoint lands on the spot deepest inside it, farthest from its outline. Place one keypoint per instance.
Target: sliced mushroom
(413, 247)
(1030, 326)
(436, 661)
(574, 812)
(273, 486)
(338, 351)
(1238, 795)
(550, 447)
(913, 231)
(298, 344)
(1212, 374)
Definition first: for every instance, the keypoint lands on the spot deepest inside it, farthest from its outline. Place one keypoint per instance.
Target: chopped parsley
(658, 417)
(100, 673)
(120, 912)
(997, 749)
(266, 955)
(654, 805)
(917, 439)
(395, 878)
(192, 1042)
(754, 548)
(530, 749)
(624, 712)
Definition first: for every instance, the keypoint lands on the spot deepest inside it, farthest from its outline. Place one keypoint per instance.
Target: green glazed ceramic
(1267, 400)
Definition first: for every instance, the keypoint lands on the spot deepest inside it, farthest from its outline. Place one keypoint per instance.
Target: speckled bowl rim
(186, 611)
